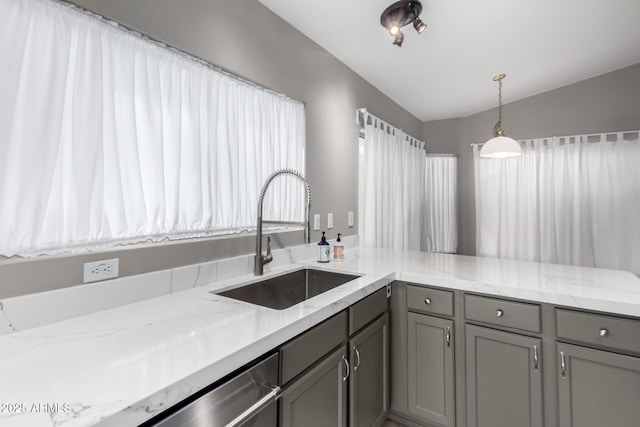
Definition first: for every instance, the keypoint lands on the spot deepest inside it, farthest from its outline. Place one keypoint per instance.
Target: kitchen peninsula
(126, 364)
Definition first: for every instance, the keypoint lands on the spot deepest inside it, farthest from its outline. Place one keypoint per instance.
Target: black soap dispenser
(324, 250)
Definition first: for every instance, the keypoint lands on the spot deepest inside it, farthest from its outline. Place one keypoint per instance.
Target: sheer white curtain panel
(568, 200)
(391, 190)
(107, 137)
(440, 193)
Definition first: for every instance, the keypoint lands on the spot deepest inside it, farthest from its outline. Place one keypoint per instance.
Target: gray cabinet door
(319, 397)
(369, 386)
(597, 388)
(504, 380)
(431, 382)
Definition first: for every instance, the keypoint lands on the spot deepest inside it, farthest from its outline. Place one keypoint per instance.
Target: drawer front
(598, 329)
(508, 314)
(364, 311)
(304, 350)
(430, 301)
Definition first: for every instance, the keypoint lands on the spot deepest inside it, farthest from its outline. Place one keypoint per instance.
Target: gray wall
(245, 38)
(607, 103)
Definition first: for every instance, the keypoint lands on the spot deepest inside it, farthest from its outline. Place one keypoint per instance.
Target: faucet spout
(259, 260)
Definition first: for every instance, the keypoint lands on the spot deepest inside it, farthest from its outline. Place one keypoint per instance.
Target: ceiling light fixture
(500, 146)
(398, 15)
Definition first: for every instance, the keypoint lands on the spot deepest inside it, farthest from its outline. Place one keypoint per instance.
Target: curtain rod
(441, 155)
(364, 111)
(164, 45)
(587, 135)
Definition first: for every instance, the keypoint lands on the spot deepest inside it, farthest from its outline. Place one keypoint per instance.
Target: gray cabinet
(431, 382)
(319, 397)
(423, 365)
(504, 379)
(369, 380)
(337, 373)
(495, 372)
(597, 388)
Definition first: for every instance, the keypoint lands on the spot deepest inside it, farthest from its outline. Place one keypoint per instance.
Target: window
(107, 137)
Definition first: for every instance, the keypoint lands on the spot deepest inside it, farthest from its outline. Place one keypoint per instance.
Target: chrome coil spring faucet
(259, 259)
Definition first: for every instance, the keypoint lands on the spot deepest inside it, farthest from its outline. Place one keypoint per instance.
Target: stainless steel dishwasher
(247, 399)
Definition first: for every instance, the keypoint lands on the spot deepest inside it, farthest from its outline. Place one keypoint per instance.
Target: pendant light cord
(497, 129)
(500, 101)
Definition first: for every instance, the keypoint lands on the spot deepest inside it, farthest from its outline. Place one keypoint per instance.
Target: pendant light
(500, 146)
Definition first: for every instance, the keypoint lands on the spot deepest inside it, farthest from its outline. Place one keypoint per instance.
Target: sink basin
(289, 289)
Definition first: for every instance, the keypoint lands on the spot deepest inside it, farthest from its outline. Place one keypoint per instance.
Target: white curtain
(407, 199)
(391, 187)
(568, 200)
(107, 137)
(440, 188)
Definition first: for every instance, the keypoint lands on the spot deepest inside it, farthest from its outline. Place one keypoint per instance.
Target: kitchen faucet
(259, 260)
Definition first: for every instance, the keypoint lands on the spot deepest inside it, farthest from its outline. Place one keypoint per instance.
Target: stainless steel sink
(289, 289)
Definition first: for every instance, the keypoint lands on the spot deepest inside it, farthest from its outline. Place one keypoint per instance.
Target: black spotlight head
(399, 39)
(419, 25)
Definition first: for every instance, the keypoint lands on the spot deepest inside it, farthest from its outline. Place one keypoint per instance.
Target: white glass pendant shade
(500, 147)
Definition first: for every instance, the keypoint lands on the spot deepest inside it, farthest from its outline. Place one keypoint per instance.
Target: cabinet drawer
(428, 300)
(508, 314)
(364, 311)
(600, 330)
(304, 350)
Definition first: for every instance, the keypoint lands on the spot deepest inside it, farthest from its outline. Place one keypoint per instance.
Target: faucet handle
(268, 257)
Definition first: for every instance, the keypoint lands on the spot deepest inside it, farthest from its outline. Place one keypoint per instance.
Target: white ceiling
(446, 71)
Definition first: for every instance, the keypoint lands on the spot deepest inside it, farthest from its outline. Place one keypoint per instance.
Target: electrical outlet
(350, 219)
(100, 270)
(330, 220)
(316, 222)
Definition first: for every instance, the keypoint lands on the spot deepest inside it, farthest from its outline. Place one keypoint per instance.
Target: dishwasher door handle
(248, 413)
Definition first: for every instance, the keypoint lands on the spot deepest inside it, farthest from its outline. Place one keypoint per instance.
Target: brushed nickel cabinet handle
(499, 313)
(604, 332)
(448, 336)
(346, 364)
(563, 365)
(536, 360)
(427, 301)
(355, 368)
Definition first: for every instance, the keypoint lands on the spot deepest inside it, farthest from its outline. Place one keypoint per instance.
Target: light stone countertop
(123, 365)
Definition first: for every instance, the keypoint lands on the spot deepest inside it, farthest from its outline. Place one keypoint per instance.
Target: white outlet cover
(316, 222)
(100, 270)
(350, 219)
(330, 220)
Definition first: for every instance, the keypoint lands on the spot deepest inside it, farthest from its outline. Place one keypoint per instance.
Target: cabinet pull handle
(346, 364)
(604, 332)
(499, 313)
(427, 301)
(536, 361)
(355, 368)
(447, 337)
(563, 365)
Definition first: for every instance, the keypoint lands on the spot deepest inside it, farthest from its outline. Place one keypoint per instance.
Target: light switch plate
(350, 219)
(316, 222)
(330, 220)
